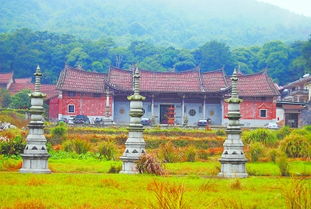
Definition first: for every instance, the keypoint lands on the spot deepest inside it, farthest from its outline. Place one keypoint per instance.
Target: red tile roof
(256, 85)
(121, 79)
(74, 79)
(214, 81)
(187, 81)
(22, 80)
(5, 78)
(48, 89)
(293, 107)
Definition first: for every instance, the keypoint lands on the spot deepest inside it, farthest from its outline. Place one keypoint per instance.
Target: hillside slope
(180, 23)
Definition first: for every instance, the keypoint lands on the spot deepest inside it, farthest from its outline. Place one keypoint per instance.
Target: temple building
(176, 98)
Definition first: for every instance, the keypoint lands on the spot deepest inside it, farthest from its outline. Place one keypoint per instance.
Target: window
(71, 108)
(263, 113)
(96, 95)
(192, 112)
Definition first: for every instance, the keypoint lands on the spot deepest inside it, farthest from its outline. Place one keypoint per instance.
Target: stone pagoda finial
(135, 144)
(35, 156)
(38, 75)
(233, 159)
(136, 78)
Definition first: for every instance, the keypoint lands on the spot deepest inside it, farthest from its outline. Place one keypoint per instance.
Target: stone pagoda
(135, 144)
(35, 157)
(233, 159)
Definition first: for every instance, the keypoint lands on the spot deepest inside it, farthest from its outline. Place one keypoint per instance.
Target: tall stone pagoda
(233, 159)
(135, 144)
(35, 157)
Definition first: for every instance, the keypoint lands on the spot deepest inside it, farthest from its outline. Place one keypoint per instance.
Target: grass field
(85, 184)
(122, 191)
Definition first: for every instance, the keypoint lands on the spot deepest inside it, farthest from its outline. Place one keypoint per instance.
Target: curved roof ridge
(83, 70)
(271, 83)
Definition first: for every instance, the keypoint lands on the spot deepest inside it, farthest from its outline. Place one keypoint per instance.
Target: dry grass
(236, 184)
(36, 181)
(297, 194)
(28, 204)
(109, 183)
(168, 196)
(209, 186)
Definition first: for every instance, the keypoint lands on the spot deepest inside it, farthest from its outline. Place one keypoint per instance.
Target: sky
(302, 7)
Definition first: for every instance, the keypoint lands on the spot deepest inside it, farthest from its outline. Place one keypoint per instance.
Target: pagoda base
(233, 168)
(35, 163)
(129, 165)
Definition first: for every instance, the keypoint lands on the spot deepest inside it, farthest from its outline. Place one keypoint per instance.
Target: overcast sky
(298, 6)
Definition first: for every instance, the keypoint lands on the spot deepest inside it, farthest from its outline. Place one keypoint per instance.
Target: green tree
(21, 100)
(214, 55)
(306, 51)
(5, 98)
(78, 56)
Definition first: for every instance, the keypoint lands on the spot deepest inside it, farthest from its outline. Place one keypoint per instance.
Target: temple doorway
(167, 114)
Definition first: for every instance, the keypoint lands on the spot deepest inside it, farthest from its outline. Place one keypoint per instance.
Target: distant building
(14, 85)
(292, 107)
(192, 95)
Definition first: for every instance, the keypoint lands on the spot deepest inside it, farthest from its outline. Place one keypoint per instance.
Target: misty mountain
(180, 23)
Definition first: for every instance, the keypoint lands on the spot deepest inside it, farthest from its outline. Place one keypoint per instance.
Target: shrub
(283, 132)
(297, 145)
(77, 145)
(191, 153)
(108, 150)
(115, 169)
(265, 136)
(59, 133)
(149, 164)
(14, 146)
(256, 151)
(167, 153)
(220, 132)
(297, 194)
(282, 163)
(273, 153)
(307, 128)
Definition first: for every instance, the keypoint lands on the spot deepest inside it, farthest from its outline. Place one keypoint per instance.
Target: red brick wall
(85, 104)
(53, 108)
(250, 109)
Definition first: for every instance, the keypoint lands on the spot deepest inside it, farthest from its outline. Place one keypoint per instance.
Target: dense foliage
(23, 49)
(180, 23)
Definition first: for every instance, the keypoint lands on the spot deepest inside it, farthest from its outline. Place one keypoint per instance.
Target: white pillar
(204, 107)
(152, 106)
(182, 109)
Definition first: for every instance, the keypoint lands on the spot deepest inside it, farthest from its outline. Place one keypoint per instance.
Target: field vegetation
(180, 170)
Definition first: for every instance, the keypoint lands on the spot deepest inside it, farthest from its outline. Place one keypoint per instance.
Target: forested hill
(181, 23)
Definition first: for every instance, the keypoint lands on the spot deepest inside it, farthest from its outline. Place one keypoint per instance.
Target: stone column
(135, 144)
(204, 107)
(35, 157)
(233, 159)
(183, 110)
(107, 120)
